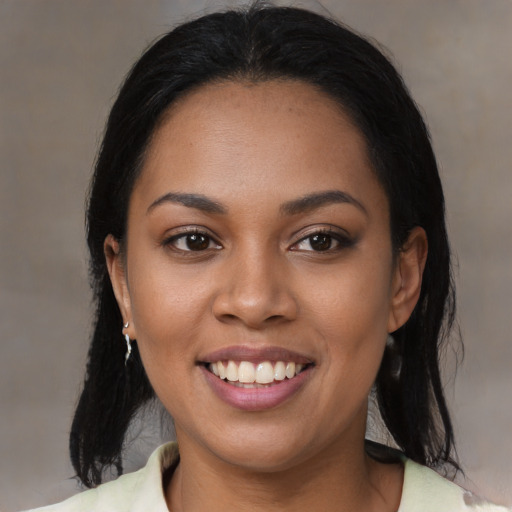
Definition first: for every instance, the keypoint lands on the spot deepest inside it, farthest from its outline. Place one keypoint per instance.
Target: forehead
(277, 137)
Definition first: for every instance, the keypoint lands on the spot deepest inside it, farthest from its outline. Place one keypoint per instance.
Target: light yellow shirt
(423, 491)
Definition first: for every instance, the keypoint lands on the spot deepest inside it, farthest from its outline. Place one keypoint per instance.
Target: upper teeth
(261, 373)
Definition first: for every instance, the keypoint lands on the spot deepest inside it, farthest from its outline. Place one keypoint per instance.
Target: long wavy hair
(262, 43)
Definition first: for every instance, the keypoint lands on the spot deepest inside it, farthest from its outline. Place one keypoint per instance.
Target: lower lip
(256, 399)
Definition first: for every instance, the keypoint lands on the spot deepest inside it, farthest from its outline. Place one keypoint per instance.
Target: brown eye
(192, 242)
(197, 242)
(321, 242)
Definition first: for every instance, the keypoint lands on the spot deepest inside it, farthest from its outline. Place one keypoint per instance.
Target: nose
(255, 291)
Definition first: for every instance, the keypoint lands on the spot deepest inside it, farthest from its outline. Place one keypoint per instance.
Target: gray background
(61, 62)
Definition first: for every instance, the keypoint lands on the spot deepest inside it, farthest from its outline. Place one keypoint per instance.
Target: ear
(117, 272)
(408, 274)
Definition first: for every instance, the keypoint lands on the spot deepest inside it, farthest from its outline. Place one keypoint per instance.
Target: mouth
(255, 379)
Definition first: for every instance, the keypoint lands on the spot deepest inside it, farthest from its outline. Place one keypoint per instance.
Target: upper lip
(255, 355)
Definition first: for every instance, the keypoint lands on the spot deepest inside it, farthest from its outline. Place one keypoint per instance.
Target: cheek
(355, 297)
(350, 308)
(168, 308)
(167, 312)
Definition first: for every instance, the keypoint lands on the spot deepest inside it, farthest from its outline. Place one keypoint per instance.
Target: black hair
(262, 43)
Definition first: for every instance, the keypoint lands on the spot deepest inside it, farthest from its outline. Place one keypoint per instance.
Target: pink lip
(256, 399)
(255, 355)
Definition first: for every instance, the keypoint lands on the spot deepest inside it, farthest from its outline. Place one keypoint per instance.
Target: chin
(269, 449)
(256, 458)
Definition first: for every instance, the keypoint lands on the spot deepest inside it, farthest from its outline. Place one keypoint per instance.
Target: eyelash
(341, 241)
(174, 239)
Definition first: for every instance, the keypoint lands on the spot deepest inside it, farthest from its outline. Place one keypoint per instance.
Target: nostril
(274, 318)
(229, 316)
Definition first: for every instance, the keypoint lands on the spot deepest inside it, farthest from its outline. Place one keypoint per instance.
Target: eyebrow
(303, 204)
(197, 201)
(318, 199)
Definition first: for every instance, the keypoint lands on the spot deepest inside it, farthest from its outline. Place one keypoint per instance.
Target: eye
(322, 241)
(193, 241)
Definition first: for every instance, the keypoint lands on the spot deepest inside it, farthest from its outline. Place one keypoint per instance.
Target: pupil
(321, 242)
(197, 242)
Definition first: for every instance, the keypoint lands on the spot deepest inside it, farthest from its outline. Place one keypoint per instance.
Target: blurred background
(61, 63)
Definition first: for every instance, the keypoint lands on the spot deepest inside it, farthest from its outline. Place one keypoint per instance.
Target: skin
(253, 148)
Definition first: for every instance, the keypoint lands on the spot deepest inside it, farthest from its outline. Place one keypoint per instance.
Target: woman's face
(258, 249)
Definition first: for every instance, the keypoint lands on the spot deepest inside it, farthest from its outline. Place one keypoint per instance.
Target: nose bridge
(255, 289)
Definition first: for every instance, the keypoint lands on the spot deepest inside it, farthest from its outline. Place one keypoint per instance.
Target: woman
(268, 244)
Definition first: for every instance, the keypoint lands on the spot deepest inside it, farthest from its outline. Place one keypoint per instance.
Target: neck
(334, 480)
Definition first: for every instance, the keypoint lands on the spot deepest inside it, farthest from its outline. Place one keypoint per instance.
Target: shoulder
(426, 491)
(135, 492)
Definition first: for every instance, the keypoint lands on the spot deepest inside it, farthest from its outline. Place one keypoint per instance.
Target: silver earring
(128, 344)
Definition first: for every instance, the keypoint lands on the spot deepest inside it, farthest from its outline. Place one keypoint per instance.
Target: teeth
(290, 370)
(279, 371)
(221, 370)
(232, 371)
(247, 374)
(264, 373)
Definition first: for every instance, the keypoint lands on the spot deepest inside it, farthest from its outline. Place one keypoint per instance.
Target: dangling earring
(395, 363)
(128, 344)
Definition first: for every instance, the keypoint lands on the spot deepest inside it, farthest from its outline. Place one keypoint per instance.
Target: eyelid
(341, 236)
(313, 229)
(183, 231)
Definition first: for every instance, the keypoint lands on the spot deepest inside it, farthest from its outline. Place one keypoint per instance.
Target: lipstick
(255, 379)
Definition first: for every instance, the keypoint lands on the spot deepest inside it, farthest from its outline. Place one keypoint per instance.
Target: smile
(253, 375)
(255, 378)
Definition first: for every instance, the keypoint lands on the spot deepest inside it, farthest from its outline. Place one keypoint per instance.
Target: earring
(395, 357)
(128, 344)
